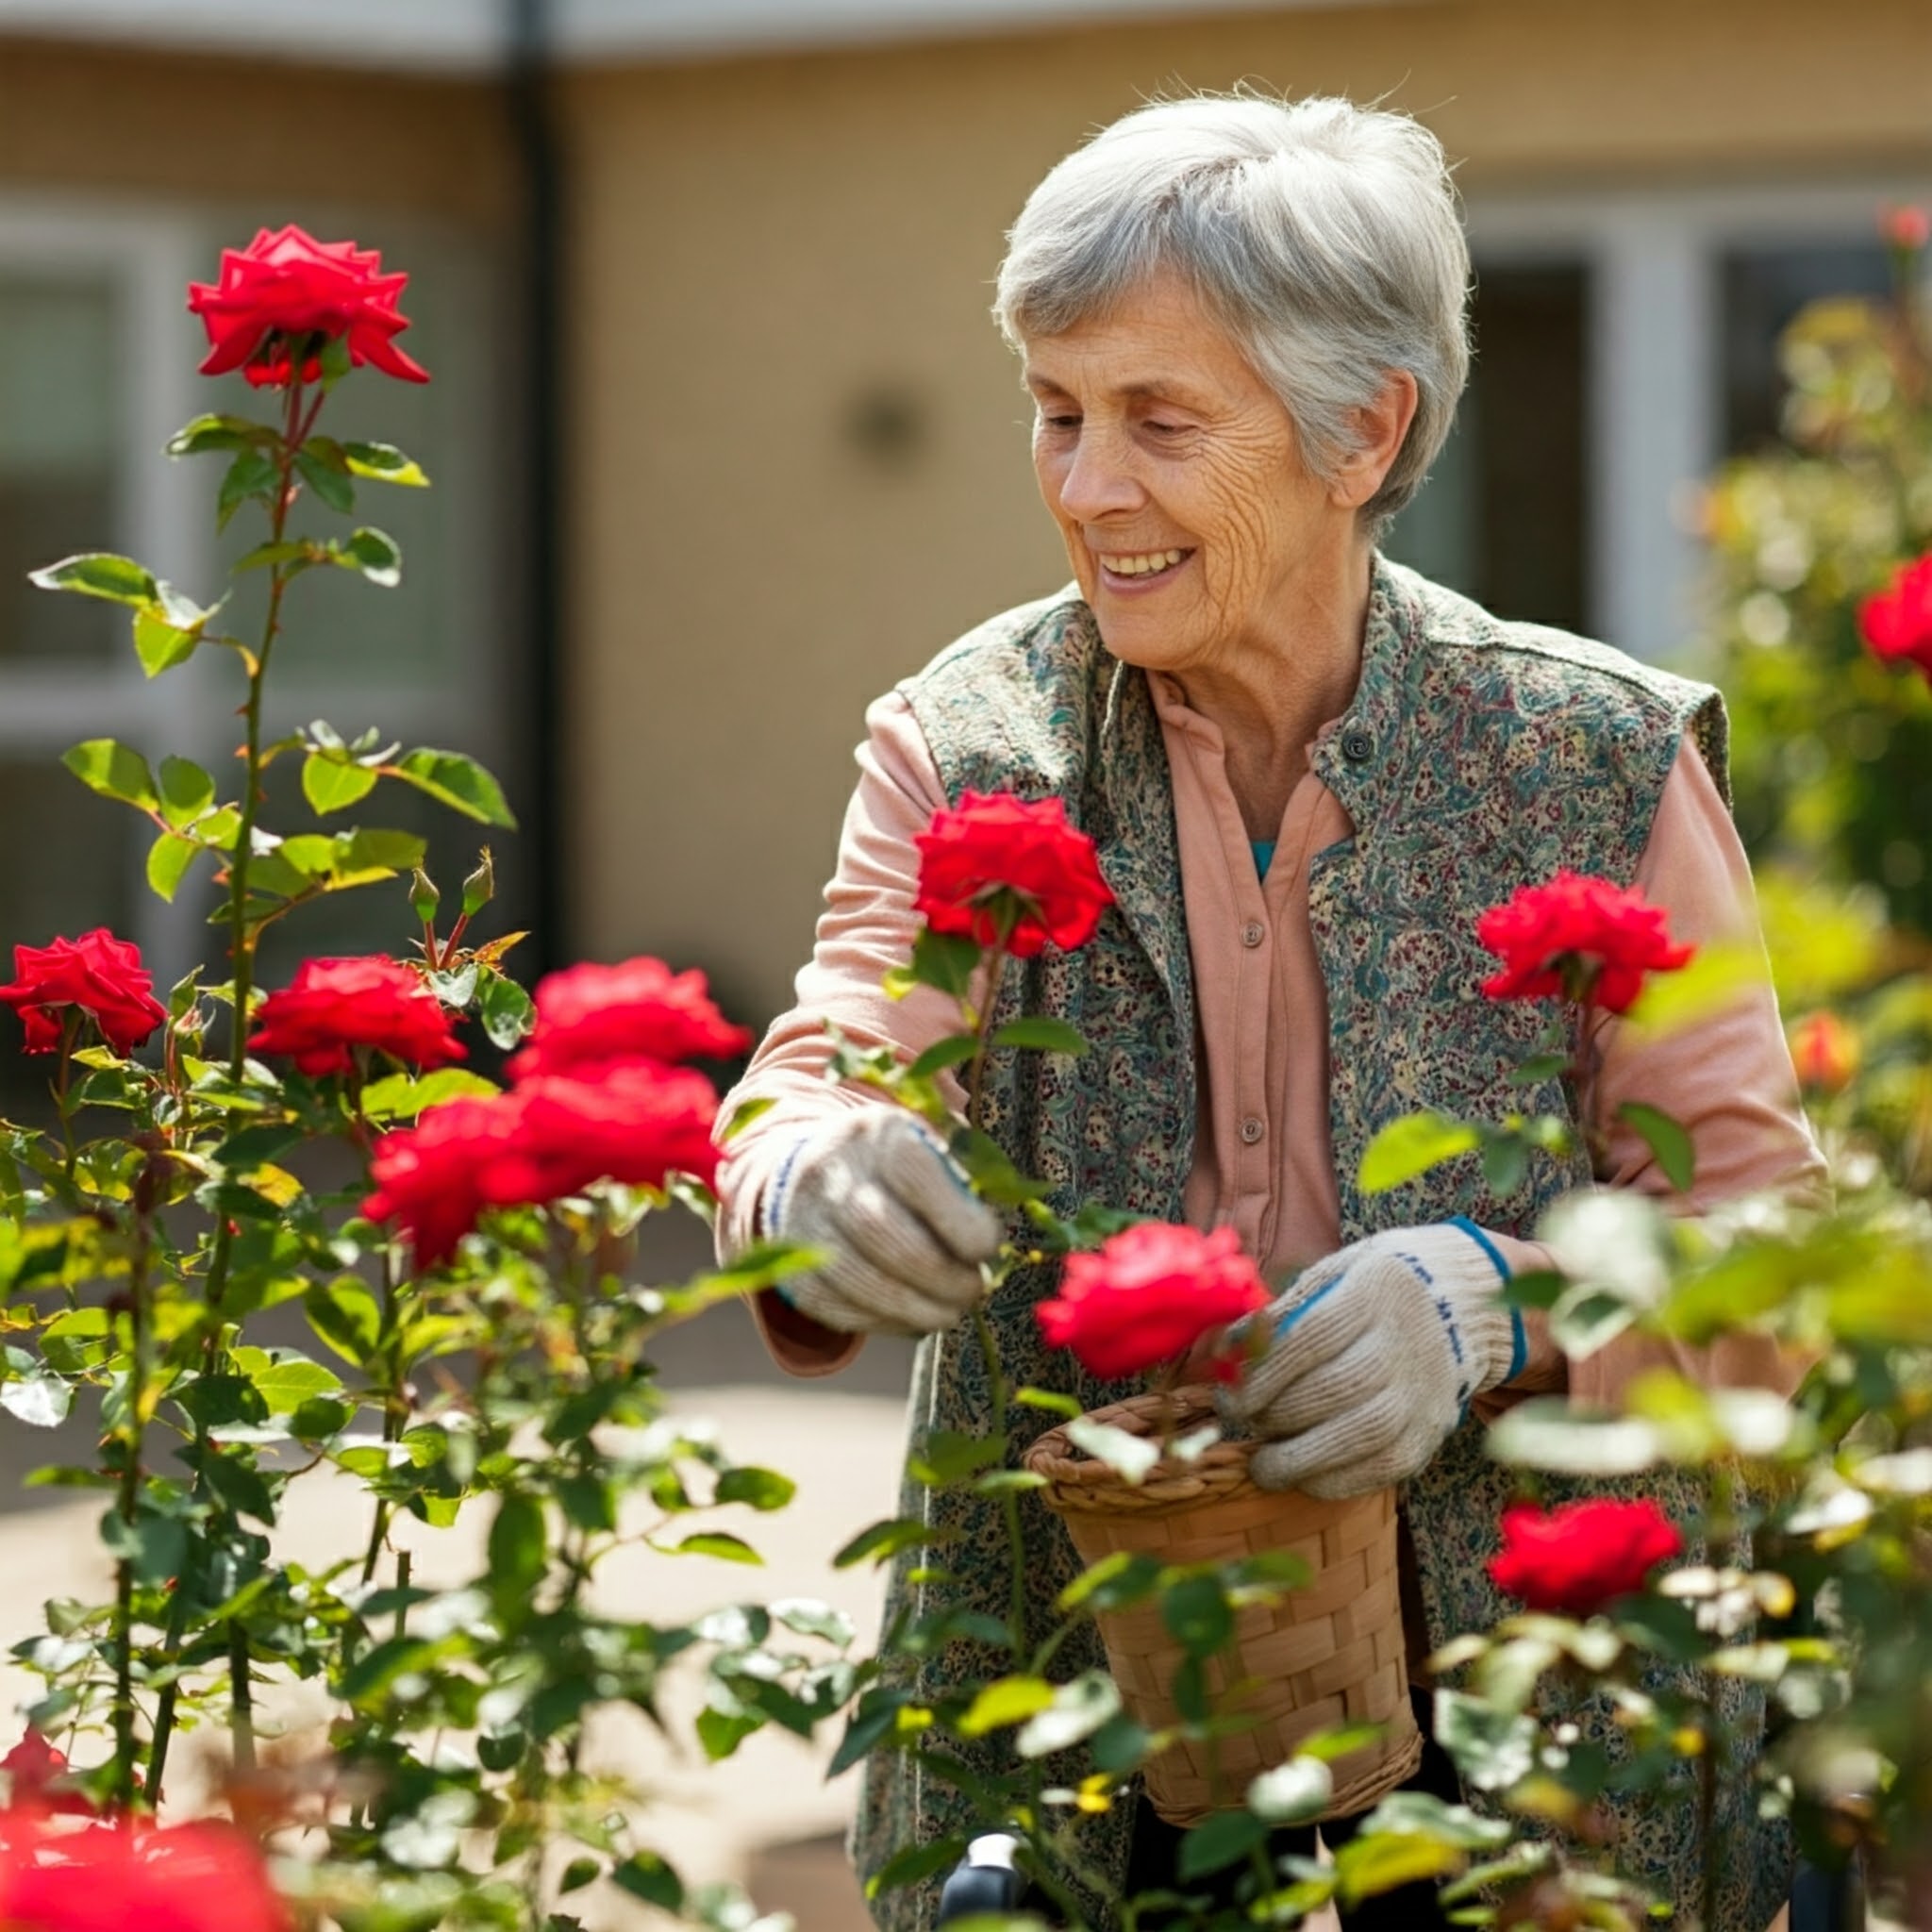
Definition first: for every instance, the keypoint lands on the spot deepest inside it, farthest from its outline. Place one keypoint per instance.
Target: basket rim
(1077, 1483)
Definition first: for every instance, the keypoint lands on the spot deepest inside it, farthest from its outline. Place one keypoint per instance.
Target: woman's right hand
(902, 1234)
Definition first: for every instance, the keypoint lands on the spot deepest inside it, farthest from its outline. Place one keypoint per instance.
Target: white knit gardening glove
(876, 1191)
(1372, 1357)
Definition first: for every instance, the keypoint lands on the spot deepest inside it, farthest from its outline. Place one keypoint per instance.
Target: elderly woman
(1307, 771)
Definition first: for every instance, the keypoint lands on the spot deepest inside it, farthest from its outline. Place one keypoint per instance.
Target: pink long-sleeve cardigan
(1263, 1163)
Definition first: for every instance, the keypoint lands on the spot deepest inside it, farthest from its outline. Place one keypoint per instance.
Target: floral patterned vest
(1476, 756)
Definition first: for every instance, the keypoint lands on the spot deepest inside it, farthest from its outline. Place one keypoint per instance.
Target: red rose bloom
(286, 293)
(427, 1177)
(547, 1138)
(1907, 228)
(1148, 1294)
(335, 1006)
(202, 1878)
(38, 1778)
(635, 1123)
(590, 1016)
(995, 862)
(1825, 1053)
(1896, 624)
(98, 974)
(1578, 1559)
(1579, 939)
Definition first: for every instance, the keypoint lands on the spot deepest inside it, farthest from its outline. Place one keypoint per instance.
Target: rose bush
(333, 1007)
(1578, 939)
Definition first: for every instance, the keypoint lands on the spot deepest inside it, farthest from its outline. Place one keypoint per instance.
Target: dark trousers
(1154, 1858)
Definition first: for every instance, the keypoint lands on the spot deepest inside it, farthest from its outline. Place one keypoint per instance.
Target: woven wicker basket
(1331, 1652)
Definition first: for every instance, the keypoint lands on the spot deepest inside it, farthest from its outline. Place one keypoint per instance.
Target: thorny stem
(394, 1408)
(241, 1694)
(70, 1039)
(982, 1033)
(128, 1504)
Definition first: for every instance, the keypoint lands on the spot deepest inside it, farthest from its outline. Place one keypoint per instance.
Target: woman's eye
(1049, 421)
(1160, 428)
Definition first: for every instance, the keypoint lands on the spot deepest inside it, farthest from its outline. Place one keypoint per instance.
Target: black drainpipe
(540, 272)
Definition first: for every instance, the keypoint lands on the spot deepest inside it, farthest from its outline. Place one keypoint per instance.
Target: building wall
(106, 123)
(802, 450)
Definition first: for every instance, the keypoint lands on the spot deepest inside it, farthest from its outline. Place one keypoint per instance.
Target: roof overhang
(475, 36)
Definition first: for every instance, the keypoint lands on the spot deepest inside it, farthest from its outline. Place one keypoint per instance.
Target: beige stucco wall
(109, 121)
(763, 242)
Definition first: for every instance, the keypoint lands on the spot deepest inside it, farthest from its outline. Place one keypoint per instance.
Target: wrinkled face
(1175, 475)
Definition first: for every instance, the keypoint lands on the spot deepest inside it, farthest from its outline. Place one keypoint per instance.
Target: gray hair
(1325, 236)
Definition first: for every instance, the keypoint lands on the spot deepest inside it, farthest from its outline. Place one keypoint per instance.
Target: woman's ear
(1381, 428)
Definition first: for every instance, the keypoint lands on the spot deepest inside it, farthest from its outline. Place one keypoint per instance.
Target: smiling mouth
(1142, 564)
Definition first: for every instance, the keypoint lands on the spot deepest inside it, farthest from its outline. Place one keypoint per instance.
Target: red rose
(1896, 623)
(202, 1878)
(336, 1006)
(1578, 1559)
(427, 1177)
(544, 1139)
(1825, 1053)
(38, 1776)
(1906, 229)
(1148, 1294)
(995, 862)
(98, 974)
(286, 293)
(634, 1123)
(1579, 939)
(589, 1016)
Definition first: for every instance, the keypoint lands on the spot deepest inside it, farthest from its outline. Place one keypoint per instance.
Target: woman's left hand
(1372, 1357)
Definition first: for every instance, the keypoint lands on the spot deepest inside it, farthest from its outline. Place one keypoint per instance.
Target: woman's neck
(1269, 697)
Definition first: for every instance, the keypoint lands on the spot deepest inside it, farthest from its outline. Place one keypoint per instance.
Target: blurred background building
(723, 441)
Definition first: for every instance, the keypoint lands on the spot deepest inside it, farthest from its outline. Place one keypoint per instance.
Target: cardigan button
(1358, 747)
(1252, 1130)
(1254, 933)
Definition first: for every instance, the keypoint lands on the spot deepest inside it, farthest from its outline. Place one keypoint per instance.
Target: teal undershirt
(1263, 850)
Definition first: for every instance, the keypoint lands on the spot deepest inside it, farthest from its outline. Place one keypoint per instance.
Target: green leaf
(382, 462)
(210, 432)
(154, 1547)
(946, 1455)
(1666, 1138)
(168, 859)
(329, 480)
(914, 1863)
(1411, 1147)
(811, 1618)
(403, 1096)
(1050, 1400)
(1506, 1161)
(946, 960)
(1006, 1701)
(1371, 1864)
(884, 1539)
(39, 1400)
(1197, 1615)
(161, 645)
(1048, 1036)
(1492, 1749)
(373, 852)
(346, 1315)
(99, 573)
(953, 1051)
(763, 1488)
(186, 791)
(713, 1542)
(251, 473)
(1424, 1815)
(283, 1379)
(744, 1113)
(114, 771)
(1218, 1841)
(646, 1876)
(506, 1011)
(1077, 1710)
(454, 780)
(332, 785)
(1119, 1580)
(240, 1486)
(376, 554)
(722, 1732)
(519, 1554)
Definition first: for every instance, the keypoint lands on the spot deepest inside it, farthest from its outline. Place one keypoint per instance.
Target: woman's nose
(1098, 480)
